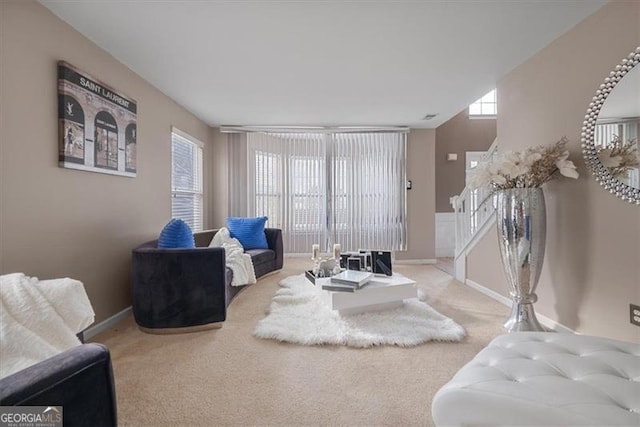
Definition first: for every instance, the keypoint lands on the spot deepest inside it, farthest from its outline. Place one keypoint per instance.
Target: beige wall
(421, 199)
(592, 270)
(57, 222)
(458, 135)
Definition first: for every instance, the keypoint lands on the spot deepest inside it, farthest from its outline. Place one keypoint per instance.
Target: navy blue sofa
(174, 289)
(79, 379)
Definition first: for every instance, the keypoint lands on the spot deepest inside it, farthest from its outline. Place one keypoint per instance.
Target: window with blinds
(186, 179)
(326, 188)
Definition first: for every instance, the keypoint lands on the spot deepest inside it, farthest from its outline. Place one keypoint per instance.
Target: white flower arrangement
(530, 168)
(619, 157)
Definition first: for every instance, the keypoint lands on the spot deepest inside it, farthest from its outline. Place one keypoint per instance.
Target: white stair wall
(445, 234)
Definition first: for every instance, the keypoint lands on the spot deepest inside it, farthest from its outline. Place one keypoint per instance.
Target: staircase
(474, 214)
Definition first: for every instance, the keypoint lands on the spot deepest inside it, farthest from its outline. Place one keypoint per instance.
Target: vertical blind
(609, 134)
(186, 179)
(606, 133)
(346, 188)
(237, 174)
(368, 194)
(287, 183)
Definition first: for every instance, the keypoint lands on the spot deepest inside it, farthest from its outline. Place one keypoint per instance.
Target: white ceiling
(323, 62)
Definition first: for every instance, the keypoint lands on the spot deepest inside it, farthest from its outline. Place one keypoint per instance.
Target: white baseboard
(544, 320)
(106, 324)
(488, 292)
(415, 261)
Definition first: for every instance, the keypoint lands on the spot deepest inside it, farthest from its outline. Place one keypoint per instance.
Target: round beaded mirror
(611, 128)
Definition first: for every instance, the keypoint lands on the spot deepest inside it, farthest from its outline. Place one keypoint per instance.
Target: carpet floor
(228, 377)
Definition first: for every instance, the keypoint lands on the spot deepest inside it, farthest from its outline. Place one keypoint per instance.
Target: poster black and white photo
(97, 125)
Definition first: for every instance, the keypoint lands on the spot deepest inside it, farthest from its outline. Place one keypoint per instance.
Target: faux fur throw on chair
(39, 319)
(238, 261)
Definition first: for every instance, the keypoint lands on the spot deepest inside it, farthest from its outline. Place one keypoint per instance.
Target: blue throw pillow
(249, 231)
(176, 234)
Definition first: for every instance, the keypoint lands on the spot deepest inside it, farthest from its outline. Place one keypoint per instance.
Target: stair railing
(473, 209)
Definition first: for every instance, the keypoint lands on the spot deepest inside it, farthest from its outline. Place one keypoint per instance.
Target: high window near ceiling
(186, 179)
(485, 107)
(326, 188)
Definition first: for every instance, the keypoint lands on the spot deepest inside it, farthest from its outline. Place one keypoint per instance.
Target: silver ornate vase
(521, 222)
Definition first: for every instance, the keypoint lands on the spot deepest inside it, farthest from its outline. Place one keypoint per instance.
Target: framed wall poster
(96, 125)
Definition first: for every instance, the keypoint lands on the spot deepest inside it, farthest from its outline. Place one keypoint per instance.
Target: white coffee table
(380, 293)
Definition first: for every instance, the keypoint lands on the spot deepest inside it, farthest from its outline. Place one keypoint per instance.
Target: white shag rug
(299, 314)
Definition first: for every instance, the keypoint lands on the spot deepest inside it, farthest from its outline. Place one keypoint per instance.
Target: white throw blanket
(238, 261)
(39, 319)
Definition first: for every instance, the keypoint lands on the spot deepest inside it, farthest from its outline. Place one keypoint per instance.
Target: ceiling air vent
(429, 116)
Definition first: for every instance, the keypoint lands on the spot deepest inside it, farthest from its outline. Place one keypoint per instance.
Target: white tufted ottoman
(544, 378)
